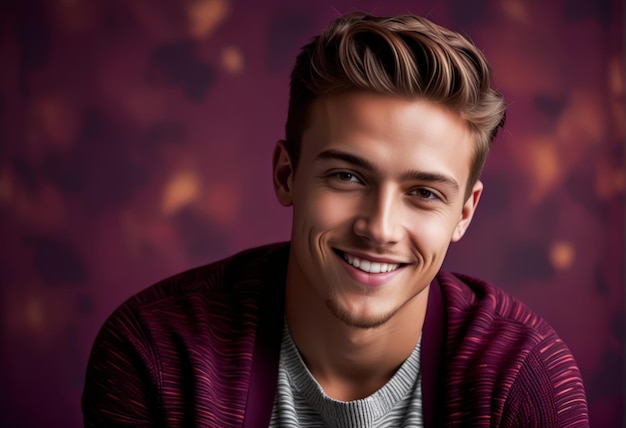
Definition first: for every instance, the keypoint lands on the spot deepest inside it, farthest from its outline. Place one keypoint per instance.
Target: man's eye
(425, 194)
(347, 176)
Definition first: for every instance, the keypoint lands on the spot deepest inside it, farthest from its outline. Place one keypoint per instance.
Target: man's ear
(283, 174)
(468, 211)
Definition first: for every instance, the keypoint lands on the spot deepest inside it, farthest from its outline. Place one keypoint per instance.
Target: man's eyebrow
(432, 178)
(345, 157)
(408, 175)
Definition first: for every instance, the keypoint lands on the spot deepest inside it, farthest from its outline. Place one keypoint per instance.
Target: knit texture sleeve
(180, 353)
(548, 390)
(506, 366)
(121, 385)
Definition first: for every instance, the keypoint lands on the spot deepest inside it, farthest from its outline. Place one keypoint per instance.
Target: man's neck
(349, 362)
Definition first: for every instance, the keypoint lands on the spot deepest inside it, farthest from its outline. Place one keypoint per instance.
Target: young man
(352, 323)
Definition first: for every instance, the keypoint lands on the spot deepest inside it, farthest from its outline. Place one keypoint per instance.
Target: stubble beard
(356, 321)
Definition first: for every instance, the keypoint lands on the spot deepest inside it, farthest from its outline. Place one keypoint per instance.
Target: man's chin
(357, 320)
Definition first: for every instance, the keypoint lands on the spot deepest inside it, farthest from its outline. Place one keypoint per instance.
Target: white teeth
(370, 267)
(375, 267)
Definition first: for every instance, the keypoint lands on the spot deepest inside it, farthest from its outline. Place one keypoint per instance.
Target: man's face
(378, 195)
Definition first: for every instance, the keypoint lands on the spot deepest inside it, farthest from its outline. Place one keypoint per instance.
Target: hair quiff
(406, 56)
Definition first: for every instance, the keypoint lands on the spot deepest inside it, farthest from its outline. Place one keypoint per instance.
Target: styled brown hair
(406, 56)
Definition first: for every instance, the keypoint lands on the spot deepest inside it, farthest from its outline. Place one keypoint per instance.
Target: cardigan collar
(265, 360)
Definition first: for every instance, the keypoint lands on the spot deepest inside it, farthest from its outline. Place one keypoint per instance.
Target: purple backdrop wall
(136, 139)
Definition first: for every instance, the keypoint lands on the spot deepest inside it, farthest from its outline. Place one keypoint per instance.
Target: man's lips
(370, 265)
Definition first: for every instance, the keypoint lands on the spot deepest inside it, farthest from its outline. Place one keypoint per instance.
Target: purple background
(136, 138)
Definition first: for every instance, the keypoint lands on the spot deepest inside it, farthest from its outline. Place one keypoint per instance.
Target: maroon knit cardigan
(201, 349)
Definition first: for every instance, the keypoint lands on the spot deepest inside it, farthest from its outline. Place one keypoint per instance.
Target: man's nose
(379, 221)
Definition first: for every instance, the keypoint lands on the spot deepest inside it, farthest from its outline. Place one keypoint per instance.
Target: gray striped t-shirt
(301, 402)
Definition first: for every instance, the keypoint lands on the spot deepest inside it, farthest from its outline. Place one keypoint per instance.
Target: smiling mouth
(369, 266)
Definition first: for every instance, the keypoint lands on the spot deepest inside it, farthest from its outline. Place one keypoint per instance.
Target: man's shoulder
(469, 298)
(506, 353)
(222, 286)
(253, 264)
(188, 329)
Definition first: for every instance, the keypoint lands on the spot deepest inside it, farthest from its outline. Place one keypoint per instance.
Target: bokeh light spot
(232, 59)
(181, 190)
(562, 255)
